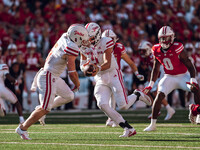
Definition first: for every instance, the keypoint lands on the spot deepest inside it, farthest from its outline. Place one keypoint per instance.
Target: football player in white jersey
(49, 82)
(7, 94)
(107, 76)
(120, 53)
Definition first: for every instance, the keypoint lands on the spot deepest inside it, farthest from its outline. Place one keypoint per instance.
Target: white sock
(131, 100)
(153, 122)
(112, 114)
(168, 106)
(21, 118)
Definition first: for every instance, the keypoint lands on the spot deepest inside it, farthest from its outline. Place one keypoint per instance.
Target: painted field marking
(101, 145)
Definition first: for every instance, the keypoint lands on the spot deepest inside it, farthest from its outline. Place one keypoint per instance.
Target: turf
(86, 130)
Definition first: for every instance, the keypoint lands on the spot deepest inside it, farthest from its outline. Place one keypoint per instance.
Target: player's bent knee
(160, 95)
(103, 106)
(123, 107)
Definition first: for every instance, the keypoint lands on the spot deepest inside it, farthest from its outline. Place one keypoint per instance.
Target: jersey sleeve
(108, 42)
(153, 50)
(179, 48)
(71, 49)
(121, 48)
(5, 69)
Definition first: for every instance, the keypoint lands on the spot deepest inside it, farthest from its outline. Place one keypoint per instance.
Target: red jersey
(32, 62)
(170, 60)
(196, 58)
(119, 49)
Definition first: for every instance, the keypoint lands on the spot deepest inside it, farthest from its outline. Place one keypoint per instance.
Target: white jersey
(55, 63)
(95, 53)
(3, 71)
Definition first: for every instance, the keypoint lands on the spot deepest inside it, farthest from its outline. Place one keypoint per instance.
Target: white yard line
(155, 133)
(101, 145)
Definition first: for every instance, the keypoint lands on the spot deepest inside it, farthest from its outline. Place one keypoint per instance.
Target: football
(88, 70)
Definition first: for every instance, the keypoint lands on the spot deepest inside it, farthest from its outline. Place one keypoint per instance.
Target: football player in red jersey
(196, 58)
(33, 62)
(147, 58)
(179, 71)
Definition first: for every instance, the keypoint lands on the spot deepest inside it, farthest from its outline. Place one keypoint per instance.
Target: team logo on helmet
(94, 29)
(79, 33)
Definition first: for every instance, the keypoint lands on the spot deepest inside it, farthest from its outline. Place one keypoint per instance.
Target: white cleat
(42, 120)
(198, 119)
(150, 128)
(114, 125)
(23, 134)
(128, 132)
(143, 97)
(109, 122)
(170, 113)
(192, 118)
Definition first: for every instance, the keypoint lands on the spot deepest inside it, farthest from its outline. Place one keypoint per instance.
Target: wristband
(72, 71)
(136, 73)
(193, 80)
(99, 67)
(151, 83)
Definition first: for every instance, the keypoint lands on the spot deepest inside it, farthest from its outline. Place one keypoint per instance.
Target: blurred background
(29, 28)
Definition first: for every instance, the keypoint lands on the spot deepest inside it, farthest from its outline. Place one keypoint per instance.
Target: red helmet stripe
(165, 29)
(87, 25)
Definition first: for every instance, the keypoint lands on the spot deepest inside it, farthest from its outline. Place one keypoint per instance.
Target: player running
(107, 76)
(49, 82)
(119, 52)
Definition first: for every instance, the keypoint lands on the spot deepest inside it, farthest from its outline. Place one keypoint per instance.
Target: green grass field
(86, 130)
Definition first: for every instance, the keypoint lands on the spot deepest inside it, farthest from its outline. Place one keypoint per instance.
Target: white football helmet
(111, 34)
(12, 46)
(31, 45)
(94, 31)
(197, 47)
(78, 34)
(166, 37)
(189, 48)
(145, 48)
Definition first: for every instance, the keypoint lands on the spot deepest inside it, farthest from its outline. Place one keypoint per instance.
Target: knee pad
(69, 97)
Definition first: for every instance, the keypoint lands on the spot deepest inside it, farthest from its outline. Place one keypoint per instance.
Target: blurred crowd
(42, 22)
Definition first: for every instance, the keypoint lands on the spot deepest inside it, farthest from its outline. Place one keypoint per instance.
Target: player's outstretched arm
(155, 71)
(154, 76)
(134, 68)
